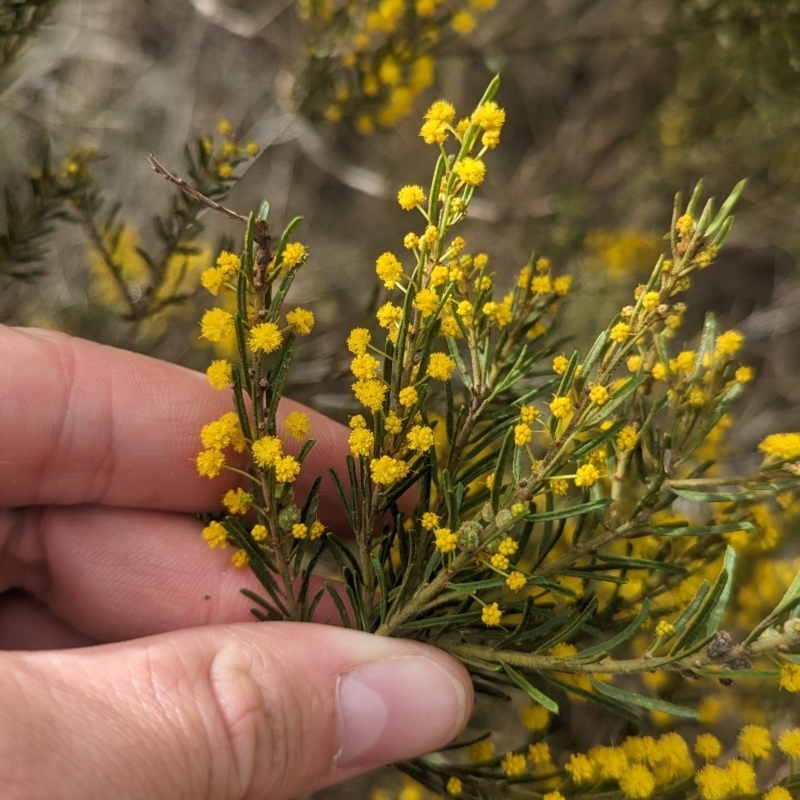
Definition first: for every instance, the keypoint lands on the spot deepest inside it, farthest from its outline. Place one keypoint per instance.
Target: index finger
(87, 423)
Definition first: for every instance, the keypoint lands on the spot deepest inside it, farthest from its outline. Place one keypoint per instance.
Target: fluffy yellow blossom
(266, 451)
(450, 326)
(481, 751)
(499, 313)
(389, 269)
(611, 763)
(240, 558)
(598, 395)
(620, 332)
(297, 425)
(389, 315)
(439, 275)
(781, 446)
(651, 300)
(637, 782)
(499, 562)
(210, 463)
(222, 432)
(542, 284)
(528, 414)
(431, 235)
(212, 280)
(361, 441)
(316, 530)
(789, 743)
(393, 424)
(216, 325)
(429, 521)
(220, 374)
(407, 396)
(420, 438)
(513, 764)
(387, 470)
(446, 540)
(293, 254)
(489, 116)
(216, 535)
(560, 364)
(554, 796)
(301, 321)
(559, 487)
(410, 197)
(491, 615)
(470, 170)
(453, 786)
(539, 752)
(684, 224)
(287, 468)
(790, 677)
(580, 769)
(562, 650)
(410, 241)
(626, 438)
(237, 501)
(561, 407)
(516, 581)
(426, 302)
(265, 337)
(697, 397)
(562, 285)
(535, 718)
(441, 366)
(777, 793)
(664, 628)
(441, 111)
(522, 434)
(225, 171)
(358, 341)
(365, 367)
(634, 363)
(507, 546)
(370, 393)
(462, 22)
(259, 533)
(299, 531)
(742, 776)
(714, 782)
(659, 371)
(707, 746)
(744, 374)
(433, 132)
(754, 742)
(728, 343)
(228, 263)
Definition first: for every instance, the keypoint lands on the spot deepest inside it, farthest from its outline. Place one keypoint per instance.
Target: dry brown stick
(192, 192)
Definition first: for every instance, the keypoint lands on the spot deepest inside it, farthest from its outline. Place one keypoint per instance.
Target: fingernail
(397, 708)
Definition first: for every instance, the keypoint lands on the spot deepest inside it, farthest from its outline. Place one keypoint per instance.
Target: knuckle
(266, 718)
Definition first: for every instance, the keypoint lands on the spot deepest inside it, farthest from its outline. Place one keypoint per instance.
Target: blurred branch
(19, 20)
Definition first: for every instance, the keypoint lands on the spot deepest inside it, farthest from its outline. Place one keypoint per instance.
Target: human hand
(167, 691)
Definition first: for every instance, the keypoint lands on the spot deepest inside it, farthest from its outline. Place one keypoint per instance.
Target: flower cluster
(557, 520)
(370, 60)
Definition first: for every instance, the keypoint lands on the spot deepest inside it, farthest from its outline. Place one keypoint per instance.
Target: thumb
(255, 710)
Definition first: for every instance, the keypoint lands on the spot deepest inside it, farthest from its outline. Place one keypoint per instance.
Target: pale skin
(129, 666)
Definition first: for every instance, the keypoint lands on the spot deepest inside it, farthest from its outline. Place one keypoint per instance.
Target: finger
(86, 423)
(250, 711)
(27, 624)
(115, 574)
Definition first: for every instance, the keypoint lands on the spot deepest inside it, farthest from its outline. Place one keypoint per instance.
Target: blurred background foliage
(612, 106)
